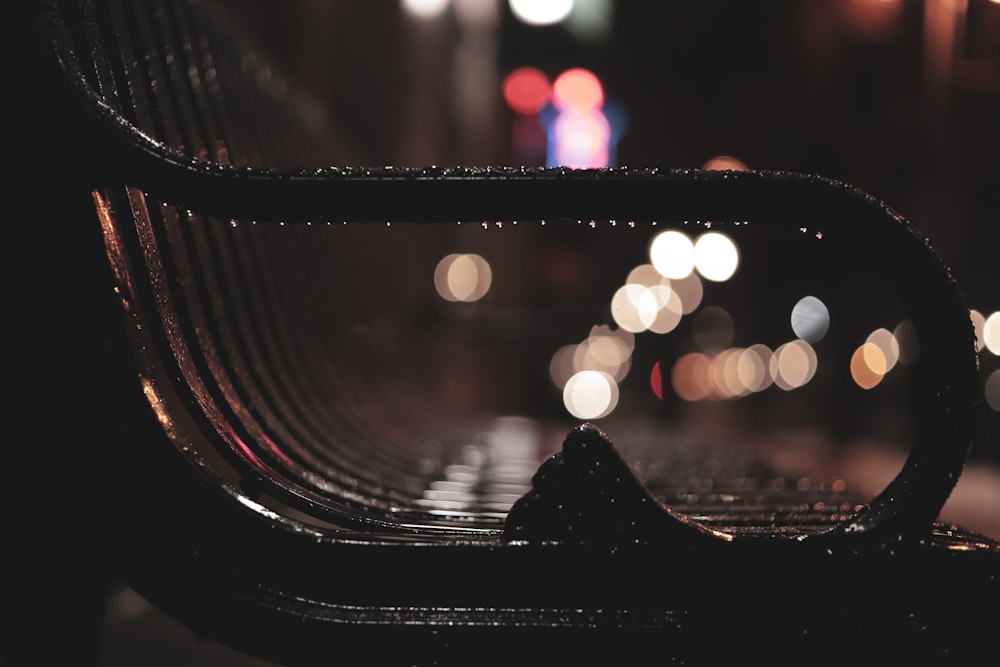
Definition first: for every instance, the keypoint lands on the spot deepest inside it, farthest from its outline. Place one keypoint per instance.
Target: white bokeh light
(462, 277)
(669, 309)
(634, 307)
(716, 256)
(425, 9)
(886, 342)
(590, 395)
(991, 333)
(605, 350)
(541, 12)
(671, 252)
(647, 276)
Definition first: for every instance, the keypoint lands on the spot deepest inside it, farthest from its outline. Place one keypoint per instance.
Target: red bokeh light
(527, 90)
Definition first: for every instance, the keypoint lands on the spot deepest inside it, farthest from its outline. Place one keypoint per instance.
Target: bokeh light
(991, 333)
(647, 276)
(716, 256)
(668, 310)
(868, 365)
(590, 20)
(690, 377)
(582, 139)
(590, 395)
(810, 319)
(724, 374)
(526, 90)
(605, 350)
(683, 298)
(735, 372)
(541, 12)
(887, 345)
(578, 89)
(634, 307)
(656, 380)
(991, 390)
(754, 368)
(724, 163)
(425, 9)
(580, 135)
(462, 277)
(793, 364)
(671, 252)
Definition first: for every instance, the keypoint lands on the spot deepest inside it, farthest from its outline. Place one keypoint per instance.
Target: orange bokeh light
(578, 89)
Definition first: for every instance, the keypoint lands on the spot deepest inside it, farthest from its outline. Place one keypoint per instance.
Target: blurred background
(899, 98)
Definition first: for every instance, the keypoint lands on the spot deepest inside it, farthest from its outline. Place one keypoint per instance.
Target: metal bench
(209, 412)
